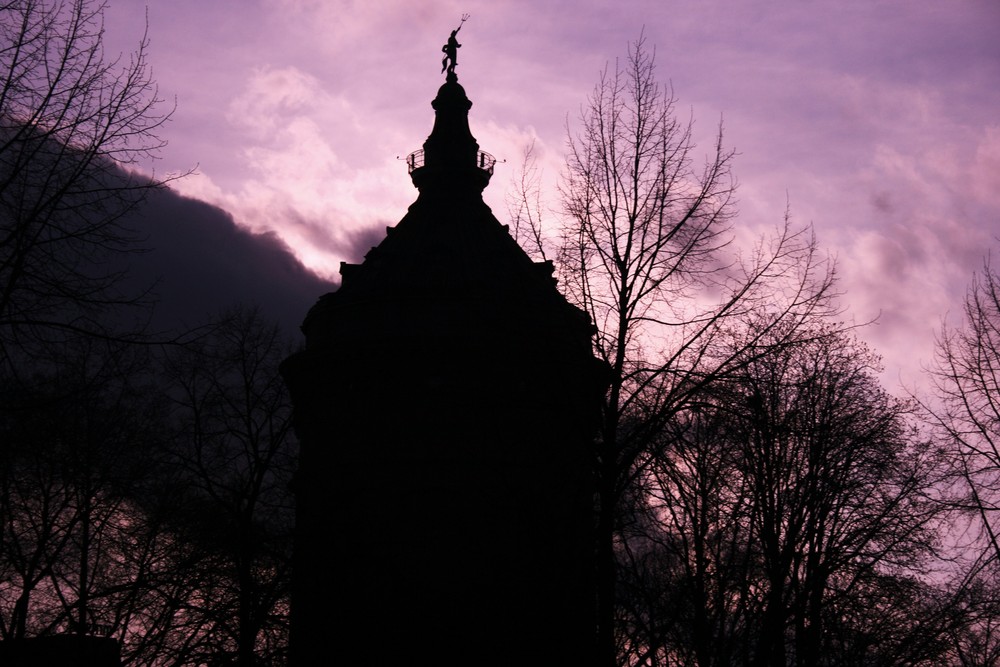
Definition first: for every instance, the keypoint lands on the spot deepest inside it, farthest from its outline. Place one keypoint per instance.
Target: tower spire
(451, 156)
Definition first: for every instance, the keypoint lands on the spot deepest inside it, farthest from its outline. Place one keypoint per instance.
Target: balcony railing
(484, 161)
(414, 160)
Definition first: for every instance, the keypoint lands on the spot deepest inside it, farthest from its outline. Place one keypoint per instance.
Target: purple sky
(879, 122)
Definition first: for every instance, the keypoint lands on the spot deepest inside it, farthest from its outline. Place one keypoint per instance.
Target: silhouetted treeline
(144, 474)
(761, 499)
(144, 495)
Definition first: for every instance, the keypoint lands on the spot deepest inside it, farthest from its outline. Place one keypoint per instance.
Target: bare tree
(73, 126)
(234, 452)
(642, 251)
(842, 489)
(525, 207)
(977, 643)
(169, 535)
(966, 377)
(793, 508)
(78, 447)
(686, 562)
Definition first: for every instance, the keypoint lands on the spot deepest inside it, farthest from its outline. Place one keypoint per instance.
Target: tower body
(445, 402)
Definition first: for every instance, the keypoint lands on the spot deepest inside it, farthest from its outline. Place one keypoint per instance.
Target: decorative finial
(451, 51)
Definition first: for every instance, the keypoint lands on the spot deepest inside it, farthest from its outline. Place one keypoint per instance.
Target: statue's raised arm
(451, 49)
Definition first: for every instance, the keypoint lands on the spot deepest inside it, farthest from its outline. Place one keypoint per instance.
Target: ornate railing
(484, 161)
(414, 160)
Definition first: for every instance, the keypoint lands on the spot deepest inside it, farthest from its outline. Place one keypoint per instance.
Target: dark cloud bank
(200, 262)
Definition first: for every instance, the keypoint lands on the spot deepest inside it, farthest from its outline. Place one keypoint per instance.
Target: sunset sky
(877, 122)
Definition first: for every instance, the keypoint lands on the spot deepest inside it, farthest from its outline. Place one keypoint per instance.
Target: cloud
(985, 169)
(299, 183)
(271, 95)
(202, 262)
(918, 232)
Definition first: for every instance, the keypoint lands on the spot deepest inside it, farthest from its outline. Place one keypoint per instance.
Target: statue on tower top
(451, 49)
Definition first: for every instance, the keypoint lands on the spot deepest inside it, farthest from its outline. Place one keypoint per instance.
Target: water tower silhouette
(445, 401)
